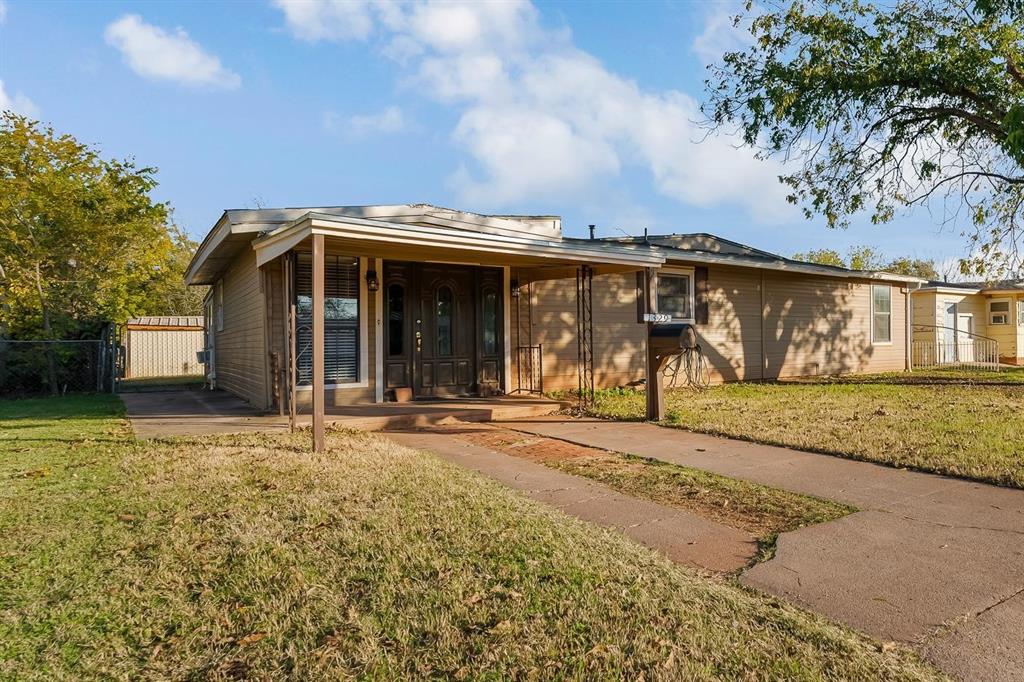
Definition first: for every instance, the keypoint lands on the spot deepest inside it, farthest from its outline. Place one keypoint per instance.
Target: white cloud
(388, 121)
(154, 53)
(720, 35)
(3, 11)
(18, 103)
(542, 118)
(328, 19)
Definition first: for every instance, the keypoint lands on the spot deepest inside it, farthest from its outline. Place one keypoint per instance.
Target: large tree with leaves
(81, 241)
(880, 107)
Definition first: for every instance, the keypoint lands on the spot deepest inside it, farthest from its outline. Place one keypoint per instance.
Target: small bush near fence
(36, 368)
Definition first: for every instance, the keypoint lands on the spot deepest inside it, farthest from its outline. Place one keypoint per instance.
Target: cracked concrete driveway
(932, 561)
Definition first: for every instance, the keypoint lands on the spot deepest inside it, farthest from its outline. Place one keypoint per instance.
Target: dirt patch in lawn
(760, 510)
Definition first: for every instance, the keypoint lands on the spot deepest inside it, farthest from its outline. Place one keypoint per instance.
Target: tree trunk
(51, 358)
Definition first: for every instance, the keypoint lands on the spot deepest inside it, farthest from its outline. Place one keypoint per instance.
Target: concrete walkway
(932, 561)
(680, 535)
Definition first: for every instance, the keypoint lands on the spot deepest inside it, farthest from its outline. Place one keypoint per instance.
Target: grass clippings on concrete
(249, 557)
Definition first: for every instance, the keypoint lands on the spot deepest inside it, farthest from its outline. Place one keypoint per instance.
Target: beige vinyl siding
(809, 325)
(925, 312)
(618, 339)
(240, 346)
(731, 340)
(1004, 334)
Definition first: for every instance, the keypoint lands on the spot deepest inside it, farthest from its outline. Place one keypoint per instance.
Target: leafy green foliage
(821, 257)
(81, 241)
(867, 258)
(879, 108)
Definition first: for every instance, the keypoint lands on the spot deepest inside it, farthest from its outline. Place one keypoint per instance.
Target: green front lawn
(248, 557)
(961, 423)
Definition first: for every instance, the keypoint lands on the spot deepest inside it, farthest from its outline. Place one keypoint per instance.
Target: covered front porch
(369, 312)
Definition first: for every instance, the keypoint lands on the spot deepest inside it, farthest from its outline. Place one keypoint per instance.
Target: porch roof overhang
(541, 258)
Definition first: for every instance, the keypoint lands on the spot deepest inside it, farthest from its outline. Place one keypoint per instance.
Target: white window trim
(892, 334)
(364, 338)
(1008, 313)
(679, 270)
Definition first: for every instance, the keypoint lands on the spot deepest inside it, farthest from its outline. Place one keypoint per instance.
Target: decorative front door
(443, 330)
(445, 347)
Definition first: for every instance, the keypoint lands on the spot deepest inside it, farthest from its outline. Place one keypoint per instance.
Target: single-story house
(433, 302)
(967, 321)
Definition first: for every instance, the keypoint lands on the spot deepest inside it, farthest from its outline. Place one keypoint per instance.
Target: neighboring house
(959, 319)
(165, 346)
(449, 303)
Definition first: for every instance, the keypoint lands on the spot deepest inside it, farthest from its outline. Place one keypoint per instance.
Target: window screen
(341, 319)
(674, 296)
(999, 312)
(881, 314)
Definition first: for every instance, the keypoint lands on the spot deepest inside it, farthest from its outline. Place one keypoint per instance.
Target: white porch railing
(953, 348)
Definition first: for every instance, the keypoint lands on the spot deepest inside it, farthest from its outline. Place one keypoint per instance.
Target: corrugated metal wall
(160, 353)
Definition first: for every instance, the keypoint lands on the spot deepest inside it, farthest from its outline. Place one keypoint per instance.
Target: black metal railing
(530, 369)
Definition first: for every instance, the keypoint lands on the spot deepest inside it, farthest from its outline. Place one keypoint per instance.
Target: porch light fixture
(372, 283)
(514, 285)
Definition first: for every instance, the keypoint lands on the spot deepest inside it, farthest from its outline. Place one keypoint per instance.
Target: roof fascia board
(952, 290)
(279, 241)
(219, 233)
(748, 262)
(221, 230)
(399, 213)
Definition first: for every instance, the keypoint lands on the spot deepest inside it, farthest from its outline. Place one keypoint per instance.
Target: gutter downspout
(764, 354)
(908, 327)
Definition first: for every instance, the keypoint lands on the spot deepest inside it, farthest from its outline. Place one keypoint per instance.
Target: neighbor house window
(675, 295)
(881, 314)
(1020, 313)
(999, 312)
(341, 319)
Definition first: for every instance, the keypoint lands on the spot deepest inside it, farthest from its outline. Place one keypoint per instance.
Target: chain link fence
(41, 368)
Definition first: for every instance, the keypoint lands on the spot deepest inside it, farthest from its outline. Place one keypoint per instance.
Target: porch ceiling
(419, 243)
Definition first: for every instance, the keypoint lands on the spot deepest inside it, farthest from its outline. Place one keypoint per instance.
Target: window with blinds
(341, 319)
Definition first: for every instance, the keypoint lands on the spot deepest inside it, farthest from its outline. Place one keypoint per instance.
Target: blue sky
(577, 109)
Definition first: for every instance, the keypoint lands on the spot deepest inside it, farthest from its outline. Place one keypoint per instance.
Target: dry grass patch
(248, 557)
(957, 423)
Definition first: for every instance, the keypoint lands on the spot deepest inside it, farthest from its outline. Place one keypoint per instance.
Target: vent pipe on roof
(645, 235)
(591, 231)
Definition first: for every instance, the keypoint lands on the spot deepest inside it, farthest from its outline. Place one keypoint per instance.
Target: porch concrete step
(397, 416)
